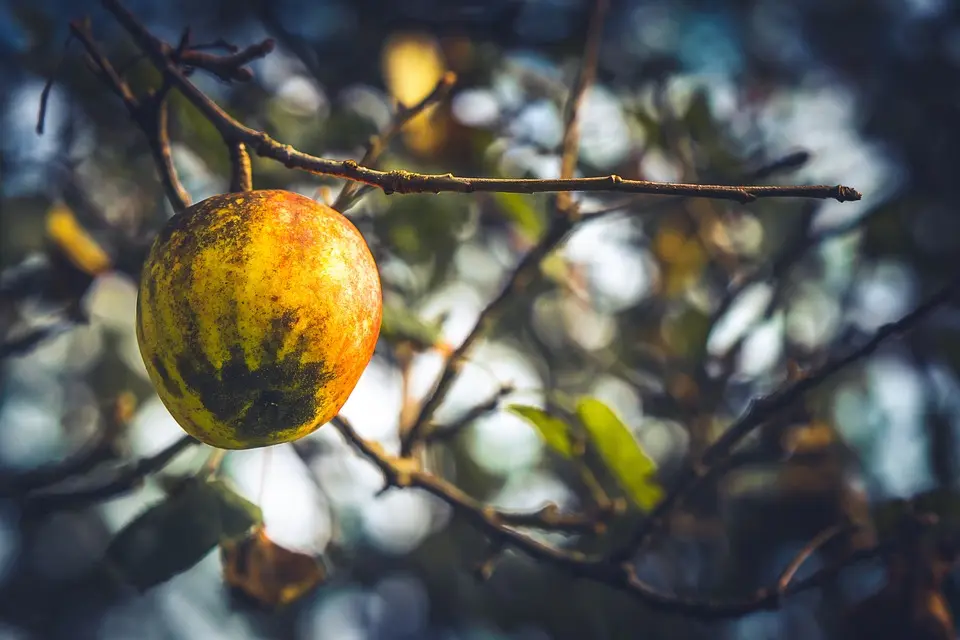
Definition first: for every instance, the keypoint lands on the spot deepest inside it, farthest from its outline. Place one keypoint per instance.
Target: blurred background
(673, 314)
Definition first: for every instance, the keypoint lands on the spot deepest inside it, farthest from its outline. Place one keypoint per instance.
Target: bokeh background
(634, 309)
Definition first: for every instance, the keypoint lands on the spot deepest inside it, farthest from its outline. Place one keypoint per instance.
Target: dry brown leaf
(270, 574)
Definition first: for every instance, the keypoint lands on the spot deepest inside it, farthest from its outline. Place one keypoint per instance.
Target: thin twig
(380, 142)
(402, 473)
(230, 67)
(150, 115)
(528, 266)
(31, 339)
(437, 433)
(159, 140)
(408, 182)
(819, 541)
(518, 278)
(571, 130)
(762, 409)
(48, 86)
(98, 449)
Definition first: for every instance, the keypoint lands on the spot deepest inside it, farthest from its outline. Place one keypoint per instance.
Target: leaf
(621, 452)
(520, 210)
(401, 324)
(685, 332)
(268, 573)
(412, 65)
(177, 533)
(237, 514)
(73, 241)
(553, 431)
(168, 538)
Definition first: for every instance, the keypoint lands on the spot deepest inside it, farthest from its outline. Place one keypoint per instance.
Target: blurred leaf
(685, 332)
(555, 267)
(621, 452)
(168, 538)
(651, 127)
(174, 535)
(198, 133)
(700, 125)
(554, 432)
(268, 573)
(237, 514)
(401, 324)
(423, 228)
(681, 256)
(74, 243)
(521, 209)
(412, 65)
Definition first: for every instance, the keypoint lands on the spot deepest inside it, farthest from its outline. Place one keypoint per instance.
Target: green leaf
(521, 210)
(424, 230)
(237, 514)
(621, 452)
(686, 333)
(402, 324)
(177, 533)
(553, 431)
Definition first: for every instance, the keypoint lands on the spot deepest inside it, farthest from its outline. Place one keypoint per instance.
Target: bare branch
(762, 409)
(230, 67)
(438, 433)
(818, 542)
(151, 116)
(571, 130)
(99, 449)
(620, 576)
(408, 182)
(400, 473)
(158, 135)
(126, 478)
(31, 339)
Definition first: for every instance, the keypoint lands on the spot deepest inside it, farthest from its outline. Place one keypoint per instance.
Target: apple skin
(257, 313)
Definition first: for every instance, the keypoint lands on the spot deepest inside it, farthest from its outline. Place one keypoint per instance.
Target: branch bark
(402, 182)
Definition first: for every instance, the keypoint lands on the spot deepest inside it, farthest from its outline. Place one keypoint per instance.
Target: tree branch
(762, 409)
(402, 472)
(127, 477)
(151, 116)
(99, 449)
(498, 527)
(155, 122)
(529, 264)
(818, 542)
(408, 182)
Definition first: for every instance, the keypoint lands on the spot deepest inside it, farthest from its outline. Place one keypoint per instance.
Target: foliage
(661, 333)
